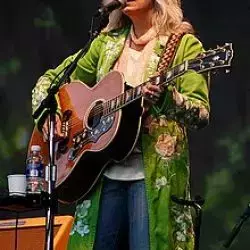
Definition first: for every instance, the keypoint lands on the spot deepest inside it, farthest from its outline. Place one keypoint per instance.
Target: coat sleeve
(191, 96)
(85, 71)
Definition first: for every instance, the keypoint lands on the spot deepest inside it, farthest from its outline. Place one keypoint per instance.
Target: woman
(133, 199)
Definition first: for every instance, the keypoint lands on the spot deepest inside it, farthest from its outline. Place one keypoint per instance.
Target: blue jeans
(123, 216)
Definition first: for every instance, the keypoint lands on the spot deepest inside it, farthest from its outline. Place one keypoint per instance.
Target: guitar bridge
(79, 140)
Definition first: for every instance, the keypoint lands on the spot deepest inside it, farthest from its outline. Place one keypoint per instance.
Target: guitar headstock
(220, 57)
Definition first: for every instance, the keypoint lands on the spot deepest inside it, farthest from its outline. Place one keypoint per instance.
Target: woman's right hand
(58, 128)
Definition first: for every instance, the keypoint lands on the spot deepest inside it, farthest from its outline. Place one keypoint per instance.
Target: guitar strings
(97, 110)
(105, 107)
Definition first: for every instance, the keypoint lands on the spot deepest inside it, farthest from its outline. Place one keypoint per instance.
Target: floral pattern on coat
(166, 146)
(183, 223)
(81, 225)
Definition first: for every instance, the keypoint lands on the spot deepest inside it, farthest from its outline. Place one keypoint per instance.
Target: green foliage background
(37, 35)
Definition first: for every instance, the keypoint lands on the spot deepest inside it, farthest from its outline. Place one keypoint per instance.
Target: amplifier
(31, 233)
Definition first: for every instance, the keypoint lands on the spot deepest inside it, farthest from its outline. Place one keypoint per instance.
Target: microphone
(113, 5)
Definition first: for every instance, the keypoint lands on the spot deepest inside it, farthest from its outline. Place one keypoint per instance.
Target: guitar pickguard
(103, 126)
(91, 135)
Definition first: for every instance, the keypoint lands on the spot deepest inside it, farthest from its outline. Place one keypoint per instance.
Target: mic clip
(107, 9)
(198, 201)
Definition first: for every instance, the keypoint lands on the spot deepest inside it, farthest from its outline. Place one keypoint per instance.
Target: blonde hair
(167, 18)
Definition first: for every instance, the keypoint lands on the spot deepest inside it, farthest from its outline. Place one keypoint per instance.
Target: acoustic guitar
(101, 124)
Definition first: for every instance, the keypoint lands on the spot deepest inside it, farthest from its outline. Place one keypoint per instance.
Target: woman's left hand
(151, 93)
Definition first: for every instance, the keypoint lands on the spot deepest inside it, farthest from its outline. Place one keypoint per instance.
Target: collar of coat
(115, 41)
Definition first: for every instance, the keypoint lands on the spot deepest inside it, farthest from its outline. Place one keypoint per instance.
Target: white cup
(17, 184)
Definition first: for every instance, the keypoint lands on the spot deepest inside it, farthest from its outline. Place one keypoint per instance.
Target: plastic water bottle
(35, 171)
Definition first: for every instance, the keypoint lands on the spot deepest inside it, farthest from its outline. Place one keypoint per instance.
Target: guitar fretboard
(135, 93)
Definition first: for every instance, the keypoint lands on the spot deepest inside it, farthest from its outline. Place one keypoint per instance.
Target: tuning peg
(221, 62)
(212, 64)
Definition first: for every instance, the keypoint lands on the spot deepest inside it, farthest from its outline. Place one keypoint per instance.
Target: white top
(129, 169)
(132, 64)
(132, 167)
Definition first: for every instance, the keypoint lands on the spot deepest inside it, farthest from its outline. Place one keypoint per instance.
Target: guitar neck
(133, 94)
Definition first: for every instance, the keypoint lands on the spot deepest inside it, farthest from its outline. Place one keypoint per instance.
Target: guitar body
(93, 137)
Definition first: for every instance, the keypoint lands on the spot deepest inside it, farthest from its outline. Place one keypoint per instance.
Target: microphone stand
(196, 204)
(50, 104)
(237, 227)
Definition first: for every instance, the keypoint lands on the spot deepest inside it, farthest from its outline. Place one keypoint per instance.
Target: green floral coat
(164, 141)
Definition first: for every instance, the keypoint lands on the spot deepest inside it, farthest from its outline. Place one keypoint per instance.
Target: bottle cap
(35, 148)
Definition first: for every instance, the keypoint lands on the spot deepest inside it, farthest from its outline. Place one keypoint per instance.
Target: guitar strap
(169, 53)
(164, 62)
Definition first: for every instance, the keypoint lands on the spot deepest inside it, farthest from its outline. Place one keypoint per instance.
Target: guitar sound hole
(95, 115)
